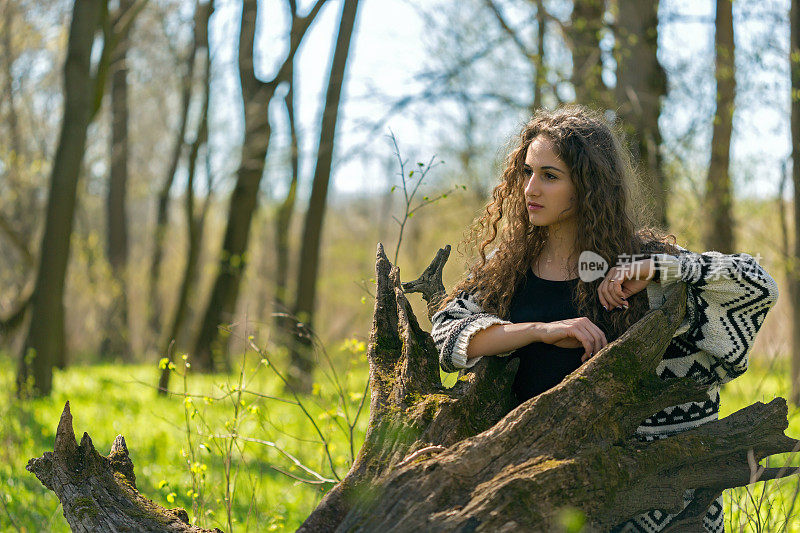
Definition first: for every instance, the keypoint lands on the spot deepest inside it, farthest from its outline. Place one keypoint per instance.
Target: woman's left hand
(623, 281)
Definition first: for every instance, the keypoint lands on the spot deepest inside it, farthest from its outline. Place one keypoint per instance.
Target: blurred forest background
(191, 194)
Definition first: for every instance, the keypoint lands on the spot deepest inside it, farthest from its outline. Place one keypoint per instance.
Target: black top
(543, 366)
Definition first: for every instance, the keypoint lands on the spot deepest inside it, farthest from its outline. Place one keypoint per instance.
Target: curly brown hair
(606, 184)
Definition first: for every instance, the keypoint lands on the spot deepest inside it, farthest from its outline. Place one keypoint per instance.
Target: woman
(565, 196)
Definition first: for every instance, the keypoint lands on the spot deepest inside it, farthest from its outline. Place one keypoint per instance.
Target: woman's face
(549, 192)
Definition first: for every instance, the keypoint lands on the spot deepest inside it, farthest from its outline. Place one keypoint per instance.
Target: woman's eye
(528, 172)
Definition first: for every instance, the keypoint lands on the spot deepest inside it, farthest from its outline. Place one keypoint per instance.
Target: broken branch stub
(430, 283)
(98, 494)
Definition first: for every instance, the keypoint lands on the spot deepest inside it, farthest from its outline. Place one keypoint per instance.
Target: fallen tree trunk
(463, 459)
(99, 493)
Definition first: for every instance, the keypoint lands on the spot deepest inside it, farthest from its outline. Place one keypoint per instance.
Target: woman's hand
(623, 281)
(574, 333)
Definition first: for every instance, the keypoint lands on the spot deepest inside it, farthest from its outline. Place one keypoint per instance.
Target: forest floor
(182, 445)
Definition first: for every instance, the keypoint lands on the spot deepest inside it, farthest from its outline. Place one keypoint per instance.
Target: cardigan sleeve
(453, 327)
(729, 297)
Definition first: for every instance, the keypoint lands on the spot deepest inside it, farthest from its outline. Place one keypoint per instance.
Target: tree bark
(283, 323)
(256, 96)
(641, 85)
(794, 271)
(117, 333)
(8, 87)
(99, 493)
(586, 23)
(719, 195)
(224, 293)
(195, 222)
(163, 202)
(541, 73)
(15, 318)
(18, 237)
(457, 459)
(44, 343)
(302, 362)
(464, 459)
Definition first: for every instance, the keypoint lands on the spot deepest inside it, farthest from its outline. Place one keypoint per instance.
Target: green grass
(764, 506)
(110, 400)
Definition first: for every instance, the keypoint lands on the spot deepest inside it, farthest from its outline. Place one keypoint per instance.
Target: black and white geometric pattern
(655, 520)
(728, 297)
(454, 326)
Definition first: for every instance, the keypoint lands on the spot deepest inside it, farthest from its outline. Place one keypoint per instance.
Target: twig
(424, 168)
(289, 474)
(302, 408)
(5, 508)
(291, 457)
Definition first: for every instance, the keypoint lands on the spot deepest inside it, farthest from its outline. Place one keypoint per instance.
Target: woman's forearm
(502, 338)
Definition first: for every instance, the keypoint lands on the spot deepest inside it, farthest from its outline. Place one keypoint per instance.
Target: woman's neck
(561, 242)
(559, 256)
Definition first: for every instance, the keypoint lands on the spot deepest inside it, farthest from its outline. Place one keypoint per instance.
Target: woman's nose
(531, 188)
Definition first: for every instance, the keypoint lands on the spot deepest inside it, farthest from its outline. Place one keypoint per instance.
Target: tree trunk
(463, 459)
(18, 221)
(44, 343)
(99, 493)
(19, 238)
(256, 96)
(195, 223)
(243, 201)
(641, 85)
(162, 206)
(586, 23)
(794, 271)
(117, 333)
(283, 323)
(302, 362)
(541, 73)
(718, 195)
(15, 139)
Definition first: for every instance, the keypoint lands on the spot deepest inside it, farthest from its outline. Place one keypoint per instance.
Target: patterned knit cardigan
(728, 299)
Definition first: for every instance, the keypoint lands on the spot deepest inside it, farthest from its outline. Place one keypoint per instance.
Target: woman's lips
(534, 207)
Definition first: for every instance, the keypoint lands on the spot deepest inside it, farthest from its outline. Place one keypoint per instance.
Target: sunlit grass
(109, 400)
(764, 506)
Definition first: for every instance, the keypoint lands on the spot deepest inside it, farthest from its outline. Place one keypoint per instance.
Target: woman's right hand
(574, 333)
